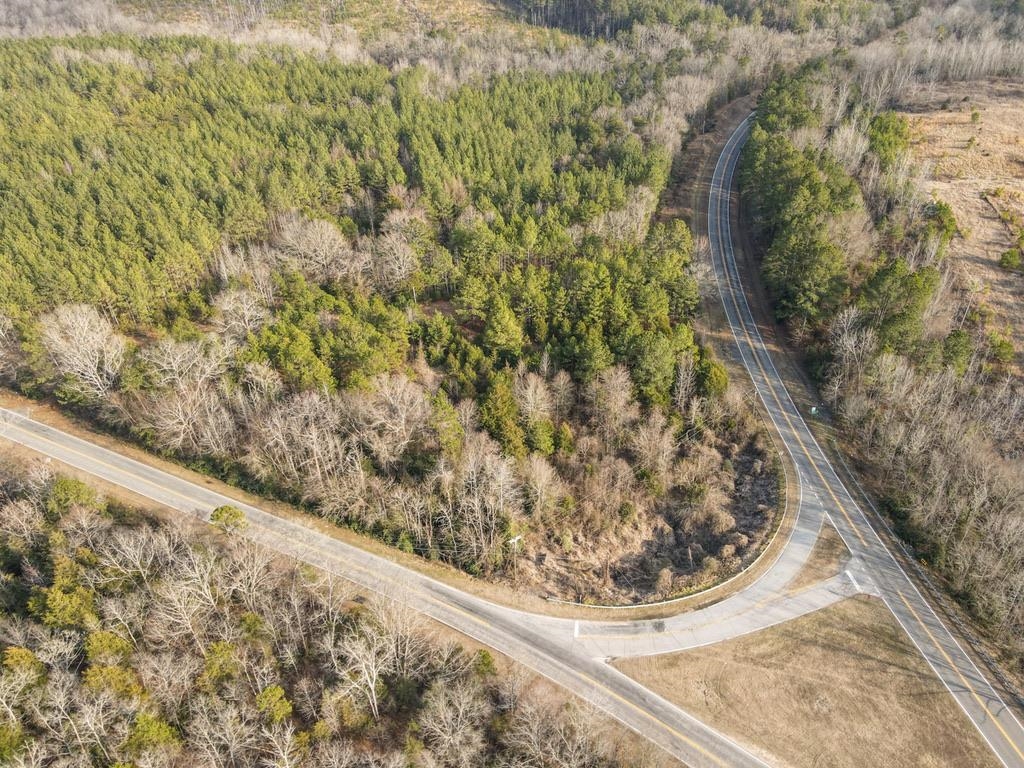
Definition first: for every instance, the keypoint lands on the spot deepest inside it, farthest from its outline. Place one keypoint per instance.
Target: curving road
(573, 653)
(545, 644)
(822, 490)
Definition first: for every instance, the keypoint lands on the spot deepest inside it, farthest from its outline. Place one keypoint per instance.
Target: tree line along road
(573, 653)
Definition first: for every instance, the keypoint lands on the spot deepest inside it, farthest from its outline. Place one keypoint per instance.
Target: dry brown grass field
(828, 558)
(843, 687)
(972, 136)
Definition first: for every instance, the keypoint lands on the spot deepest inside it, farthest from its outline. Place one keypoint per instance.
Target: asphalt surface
(573, 653)
(544, 644)
(823, 492)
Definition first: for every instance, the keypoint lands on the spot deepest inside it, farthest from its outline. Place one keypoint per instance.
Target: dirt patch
(972, 137)
(843, 687)
(828, 558)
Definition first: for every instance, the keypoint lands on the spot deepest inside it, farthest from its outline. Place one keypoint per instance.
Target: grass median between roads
(828, 558)
(842, 687)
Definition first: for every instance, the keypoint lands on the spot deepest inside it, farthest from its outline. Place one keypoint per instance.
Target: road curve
(573, 653)
(821, 487)
(544, 644)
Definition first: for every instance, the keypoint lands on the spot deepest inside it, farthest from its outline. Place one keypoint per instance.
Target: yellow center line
(846, 515)
(771, 387)
(640, 710)
(112, 468)
(963, 679)
(185, 502)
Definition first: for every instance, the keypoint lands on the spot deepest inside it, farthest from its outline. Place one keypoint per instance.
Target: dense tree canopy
(360, 289)
(131, 641)
(608, 17)
(795, 193)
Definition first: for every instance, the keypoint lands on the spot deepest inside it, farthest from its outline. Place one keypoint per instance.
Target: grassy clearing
(843, 687)
(971, 137)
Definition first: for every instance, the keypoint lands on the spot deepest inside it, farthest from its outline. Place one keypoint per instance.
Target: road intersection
(574, 653)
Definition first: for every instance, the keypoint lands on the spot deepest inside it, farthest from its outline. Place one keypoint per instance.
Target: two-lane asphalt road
(573, 653)
(820, 484)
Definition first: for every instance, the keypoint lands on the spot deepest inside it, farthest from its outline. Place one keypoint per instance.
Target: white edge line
(856, 506)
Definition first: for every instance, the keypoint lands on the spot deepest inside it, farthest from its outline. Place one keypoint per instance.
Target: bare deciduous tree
(533, 396)
(452, 722)
(222, 733)
(544, 488)
(22, 522)
(300, 442)
(686, 382)
(169, 677)
(83, 346)
(655, 445)
(368, 660)
(239, 313)
(188, 411)
(849, 145)
(394, 262)
(614, 408)
(477, 500)
(542, 739)
(402, 628)
(563, 395)
(391, 418)
(320, 250)
(10, 353)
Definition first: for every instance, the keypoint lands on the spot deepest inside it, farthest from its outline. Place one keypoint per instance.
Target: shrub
(957, 350)
(1000, 347)
(67, 492)
(712, 378)
(105, 647)
(483, 664)
(888, 137)
(272, 702)
(1010, 259)
(228, 518)
(150, 733)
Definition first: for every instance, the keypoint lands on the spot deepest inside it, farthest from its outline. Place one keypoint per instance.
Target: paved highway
(820, 482)
(573, 653)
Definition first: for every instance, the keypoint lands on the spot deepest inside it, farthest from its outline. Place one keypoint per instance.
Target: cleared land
(841, 687)
(972, 136)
